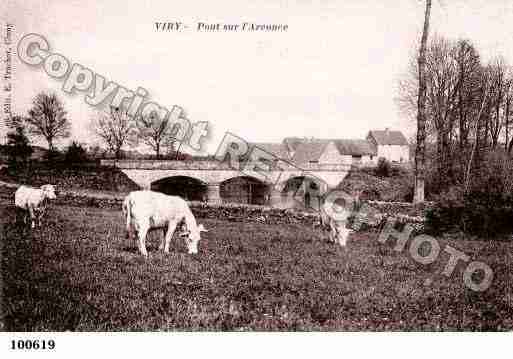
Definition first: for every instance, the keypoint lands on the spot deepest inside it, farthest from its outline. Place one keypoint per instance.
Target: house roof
(277, 149)
(355, 147)
(387, 137)
(293, 142)
(309, 151)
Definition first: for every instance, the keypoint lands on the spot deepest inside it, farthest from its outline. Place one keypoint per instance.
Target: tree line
(114, 127)
(468, 108)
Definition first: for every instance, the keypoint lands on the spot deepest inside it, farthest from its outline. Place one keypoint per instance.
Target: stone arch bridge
(216, 182)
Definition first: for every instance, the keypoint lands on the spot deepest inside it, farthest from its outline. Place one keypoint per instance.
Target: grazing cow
(33, 201)
(145, 210)
(338, 233)
(336, 216)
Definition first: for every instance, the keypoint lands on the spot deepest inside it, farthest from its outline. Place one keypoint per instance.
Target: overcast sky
(332, 74)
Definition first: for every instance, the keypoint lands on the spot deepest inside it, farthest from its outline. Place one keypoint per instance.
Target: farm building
(332, 151)
(391, 145)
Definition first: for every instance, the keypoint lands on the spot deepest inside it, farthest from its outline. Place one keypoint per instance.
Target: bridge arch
(187, 187)
(244, 189)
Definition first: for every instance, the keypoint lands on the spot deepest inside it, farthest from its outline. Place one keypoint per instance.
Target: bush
(52, 156)
(18, 147)
(384, 168)
(447, 213)
(75, 154)
(397, 188)
(486, 209)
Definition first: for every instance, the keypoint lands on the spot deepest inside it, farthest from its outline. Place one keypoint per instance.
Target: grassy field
(80, 273)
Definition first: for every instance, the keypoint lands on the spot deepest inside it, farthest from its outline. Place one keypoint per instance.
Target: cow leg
(333, 237)
(143, 230)
(128, 234)
(42, 215)
(163, 241)
(170, 230)
(39, 214)
(333, 233)
(342, 239)
(344, 234)
(32, 217)
(24, 216)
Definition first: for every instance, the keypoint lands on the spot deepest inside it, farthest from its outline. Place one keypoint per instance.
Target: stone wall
(402, 212)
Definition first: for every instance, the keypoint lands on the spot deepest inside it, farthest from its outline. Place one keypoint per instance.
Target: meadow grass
(79, 273)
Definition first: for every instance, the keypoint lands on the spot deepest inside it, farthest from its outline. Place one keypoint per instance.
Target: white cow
(336, 216)
(337, 226)
(33, 201)
(145, 210)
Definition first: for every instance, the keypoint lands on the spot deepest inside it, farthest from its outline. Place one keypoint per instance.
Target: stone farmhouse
(391, 145)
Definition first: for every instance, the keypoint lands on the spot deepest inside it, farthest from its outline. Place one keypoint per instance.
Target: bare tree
(47, 119)
(454, 92)
(420, 149)
(476, 141)
(470, 74)
(442, 85)
(116, 129)
(155, 133)
(498, 89)
(508, 103)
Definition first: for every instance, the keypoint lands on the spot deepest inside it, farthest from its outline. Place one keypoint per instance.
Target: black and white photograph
(177, 170)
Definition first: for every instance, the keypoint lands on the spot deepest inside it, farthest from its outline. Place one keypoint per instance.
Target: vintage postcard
(255, 166)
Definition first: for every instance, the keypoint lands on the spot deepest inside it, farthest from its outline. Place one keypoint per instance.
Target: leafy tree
(19, 149)
(47, 119)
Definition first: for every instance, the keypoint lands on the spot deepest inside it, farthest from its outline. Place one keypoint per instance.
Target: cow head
(192, 238)
(48, 191)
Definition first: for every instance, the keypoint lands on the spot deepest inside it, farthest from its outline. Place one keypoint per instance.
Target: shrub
(51, 157)
(18, 147)
(384, 168)
(486, 209)
(75, 154)
(447, 213)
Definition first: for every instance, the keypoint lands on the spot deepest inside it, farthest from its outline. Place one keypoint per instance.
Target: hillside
(397, 187)
(94, 178)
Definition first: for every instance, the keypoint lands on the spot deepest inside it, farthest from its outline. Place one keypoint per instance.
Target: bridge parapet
(219, 166)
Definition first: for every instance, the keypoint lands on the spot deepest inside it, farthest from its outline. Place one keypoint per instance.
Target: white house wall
(331, 155)
(394, 153)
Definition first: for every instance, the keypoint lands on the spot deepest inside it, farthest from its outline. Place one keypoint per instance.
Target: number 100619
(32, 344)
